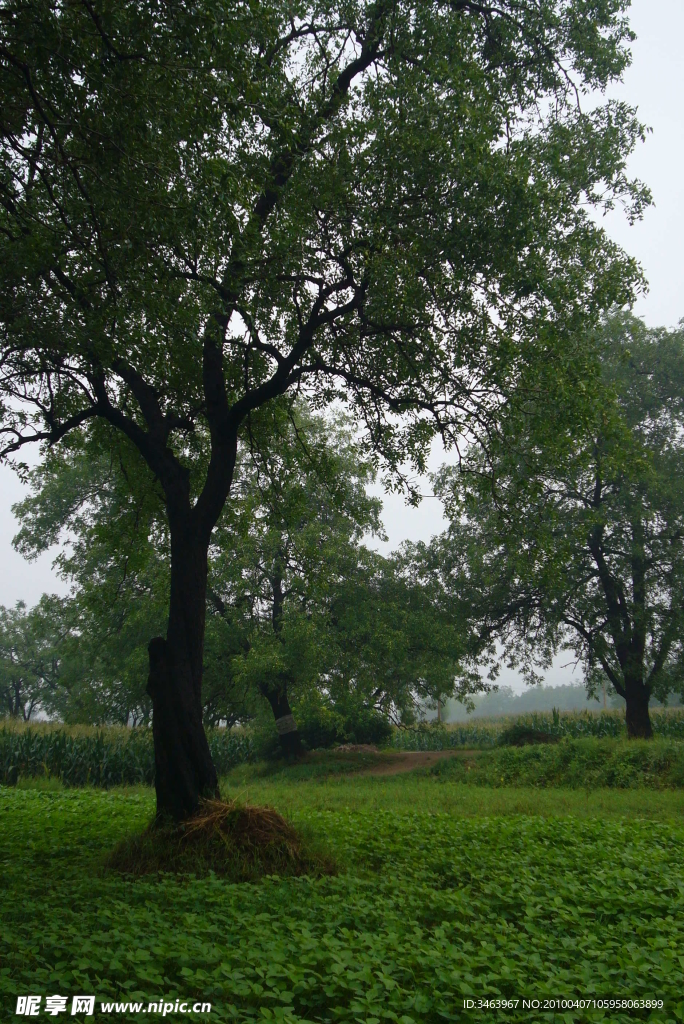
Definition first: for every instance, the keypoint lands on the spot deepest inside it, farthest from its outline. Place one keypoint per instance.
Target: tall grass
(586, 763)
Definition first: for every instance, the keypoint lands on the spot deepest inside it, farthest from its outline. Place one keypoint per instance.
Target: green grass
(569, 764)
(447, 890)
(407, 794)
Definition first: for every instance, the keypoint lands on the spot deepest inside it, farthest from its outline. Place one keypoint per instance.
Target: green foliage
(569, 532)
(379, 204)
(111, 757)
(95, 496)
(323, 790)
(281, 552)
(433, 908)
(295, 600)
(322, 725)
(519, 735)
(31, 655)
(576, 764)
(323, 722)
(417, 212)
(396, 643)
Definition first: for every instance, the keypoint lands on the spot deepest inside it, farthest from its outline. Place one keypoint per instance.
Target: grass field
(446, 891)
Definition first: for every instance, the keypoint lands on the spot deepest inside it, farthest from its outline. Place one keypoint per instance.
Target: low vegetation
(574, 764)
(428, 908)
(114, 756)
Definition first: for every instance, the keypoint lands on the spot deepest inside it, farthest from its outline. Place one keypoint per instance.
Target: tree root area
(234, 841)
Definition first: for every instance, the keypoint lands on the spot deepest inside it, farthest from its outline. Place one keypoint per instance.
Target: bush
(323, 725)
(522, 735)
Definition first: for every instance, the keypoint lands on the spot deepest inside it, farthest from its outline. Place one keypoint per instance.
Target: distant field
(445, 892)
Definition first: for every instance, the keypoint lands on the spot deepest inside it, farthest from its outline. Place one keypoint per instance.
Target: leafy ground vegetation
(443, 892)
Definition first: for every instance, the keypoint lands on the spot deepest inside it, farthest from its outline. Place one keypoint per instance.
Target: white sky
(655, 84)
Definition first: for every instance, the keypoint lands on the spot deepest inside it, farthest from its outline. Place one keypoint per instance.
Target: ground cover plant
(428, 907)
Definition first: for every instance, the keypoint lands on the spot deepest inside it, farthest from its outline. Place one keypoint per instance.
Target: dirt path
(408, 760)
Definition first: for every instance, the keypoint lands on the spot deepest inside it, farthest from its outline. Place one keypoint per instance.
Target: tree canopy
(30, 649)
(205, 206)
(572, 537)
(299, 609)
(379, 203)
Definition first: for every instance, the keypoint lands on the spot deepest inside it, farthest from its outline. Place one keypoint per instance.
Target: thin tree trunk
(276, 692)
(184, 771)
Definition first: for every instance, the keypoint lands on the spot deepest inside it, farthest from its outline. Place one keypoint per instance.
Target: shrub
(522, 735)
(324, 725)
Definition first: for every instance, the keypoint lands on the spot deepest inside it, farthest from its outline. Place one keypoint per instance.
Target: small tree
(30, 644)
(95, 496)
(278, 559)
(573, 535)
(395, 642)
(205, 207)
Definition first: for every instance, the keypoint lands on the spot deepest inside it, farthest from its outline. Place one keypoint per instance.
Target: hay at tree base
(235, 841)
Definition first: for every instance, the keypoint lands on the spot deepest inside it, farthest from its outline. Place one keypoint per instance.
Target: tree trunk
(638, 719)
(184, 771)
(276, 694)
(288, 733)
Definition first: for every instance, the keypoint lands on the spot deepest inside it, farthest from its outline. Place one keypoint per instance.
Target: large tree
(571, 534)
(205, 206)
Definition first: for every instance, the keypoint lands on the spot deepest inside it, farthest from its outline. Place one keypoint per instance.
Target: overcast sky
(655, 84)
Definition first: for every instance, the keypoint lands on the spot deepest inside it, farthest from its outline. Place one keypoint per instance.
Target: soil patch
(409, 760)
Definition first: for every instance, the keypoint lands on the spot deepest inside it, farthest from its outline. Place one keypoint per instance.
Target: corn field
(484, 732)
(102, 757)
